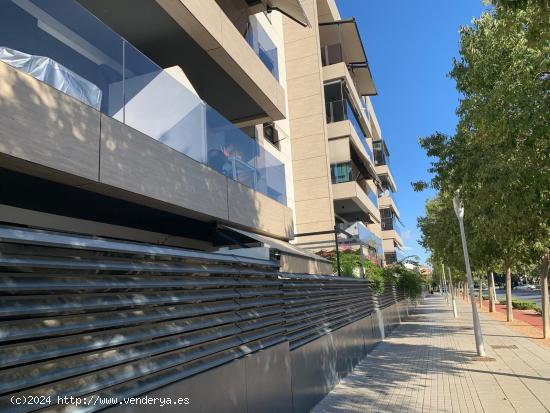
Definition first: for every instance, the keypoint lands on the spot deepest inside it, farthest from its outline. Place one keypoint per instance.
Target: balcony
(207, 40)
(341, 110)
(353, 200)
(381, 153)
(355, 234)
(341, 43)
(386, 201)
(391, 227)
(83, 58)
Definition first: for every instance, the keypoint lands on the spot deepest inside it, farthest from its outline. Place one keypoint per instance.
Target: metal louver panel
(317, 305)
(81, 316)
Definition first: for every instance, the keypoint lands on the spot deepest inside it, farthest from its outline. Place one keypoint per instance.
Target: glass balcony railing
(381, 156)
(372, 196)
(342, 172)
(263, 46)
(340, 110)
(62, 44)
(392, 223)
(356, 233)
(368, 237)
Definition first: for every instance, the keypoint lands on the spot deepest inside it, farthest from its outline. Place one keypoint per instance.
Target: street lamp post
(459, 210)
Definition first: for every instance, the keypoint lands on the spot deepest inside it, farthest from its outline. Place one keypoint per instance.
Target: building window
(271, 134)
(341, 172)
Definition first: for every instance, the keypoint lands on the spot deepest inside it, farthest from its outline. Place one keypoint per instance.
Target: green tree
(499, 156)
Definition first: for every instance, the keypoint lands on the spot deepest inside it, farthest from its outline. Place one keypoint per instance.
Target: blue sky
(410, 46)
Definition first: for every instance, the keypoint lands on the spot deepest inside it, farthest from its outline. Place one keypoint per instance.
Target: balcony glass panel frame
(132, 89)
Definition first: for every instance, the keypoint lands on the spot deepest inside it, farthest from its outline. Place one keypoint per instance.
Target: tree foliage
(499, 157)
(350, 264)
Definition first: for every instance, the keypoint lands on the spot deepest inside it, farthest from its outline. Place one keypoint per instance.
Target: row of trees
(499, 157)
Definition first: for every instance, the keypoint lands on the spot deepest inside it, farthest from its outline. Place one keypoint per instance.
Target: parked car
(529, 287)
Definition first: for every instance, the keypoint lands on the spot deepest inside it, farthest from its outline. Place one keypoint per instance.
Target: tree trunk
(508, 272)
(544, 297)
(480, 292)
(491, 288)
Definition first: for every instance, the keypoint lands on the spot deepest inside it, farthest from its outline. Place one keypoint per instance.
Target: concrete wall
(45, 133)
(278, 379)
(259, 382)
(294, 264)
(319, 365)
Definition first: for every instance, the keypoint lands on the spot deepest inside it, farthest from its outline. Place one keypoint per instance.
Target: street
(524, 295)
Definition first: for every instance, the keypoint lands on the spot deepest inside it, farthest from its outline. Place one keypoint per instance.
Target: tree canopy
(499, 157)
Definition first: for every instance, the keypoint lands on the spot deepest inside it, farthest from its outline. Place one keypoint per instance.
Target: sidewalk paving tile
(427, 365)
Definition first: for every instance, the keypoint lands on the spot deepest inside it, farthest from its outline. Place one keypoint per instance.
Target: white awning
(283, 246)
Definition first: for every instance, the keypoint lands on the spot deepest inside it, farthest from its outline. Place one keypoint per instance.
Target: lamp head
(458, 206)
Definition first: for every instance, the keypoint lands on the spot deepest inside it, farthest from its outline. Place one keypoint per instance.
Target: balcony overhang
(346, 33)
(283, 247)
(338, 130)
(388, 202)
(390, 246)
(392, 235)
(384, 173)
(290, 8)
(352, 203)
(339, 73)
(201, 39)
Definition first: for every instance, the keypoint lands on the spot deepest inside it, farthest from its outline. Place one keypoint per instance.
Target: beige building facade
(342, 181)
(212, 125)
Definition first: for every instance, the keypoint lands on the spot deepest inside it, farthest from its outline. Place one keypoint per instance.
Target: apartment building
(216, 125)
(342, 180)
(168, 171)
(174, 112)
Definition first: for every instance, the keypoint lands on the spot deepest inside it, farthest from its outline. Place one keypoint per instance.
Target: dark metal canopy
(346, 33)
(290, 8)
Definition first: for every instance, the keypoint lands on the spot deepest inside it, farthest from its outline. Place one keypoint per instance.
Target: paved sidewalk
(426, 365)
